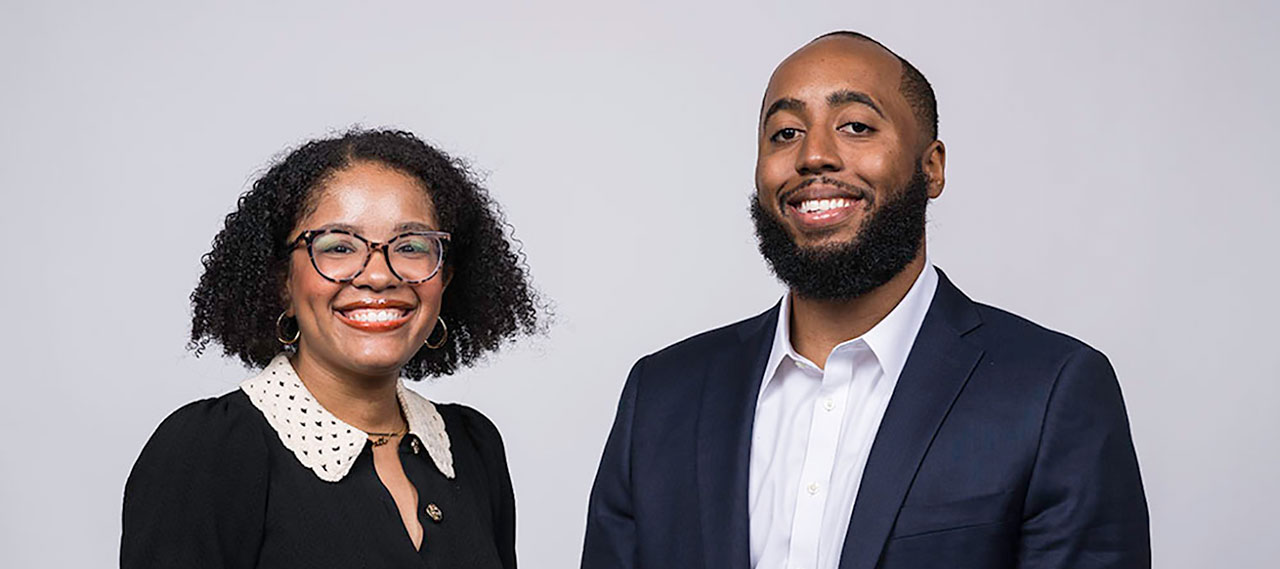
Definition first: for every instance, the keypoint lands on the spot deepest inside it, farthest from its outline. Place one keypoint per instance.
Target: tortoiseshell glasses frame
(420, 258)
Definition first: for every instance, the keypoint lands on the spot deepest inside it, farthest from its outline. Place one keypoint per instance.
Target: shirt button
(813, 488)
(829, 404)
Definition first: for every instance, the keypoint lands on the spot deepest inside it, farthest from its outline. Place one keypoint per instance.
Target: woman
(351, 263)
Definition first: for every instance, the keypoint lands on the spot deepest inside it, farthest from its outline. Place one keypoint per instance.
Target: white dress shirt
(813, 432)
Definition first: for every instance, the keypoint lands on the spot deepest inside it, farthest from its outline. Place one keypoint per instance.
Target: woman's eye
(856, 128)
(334, 246)
(785, 135)
(414, 247)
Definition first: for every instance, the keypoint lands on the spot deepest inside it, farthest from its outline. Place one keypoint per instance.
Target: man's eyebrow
(847, 96)
(783, 104)
(838, 98)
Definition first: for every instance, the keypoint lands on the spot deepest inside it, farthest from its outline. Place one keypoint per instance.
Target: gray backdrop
(1112, 175)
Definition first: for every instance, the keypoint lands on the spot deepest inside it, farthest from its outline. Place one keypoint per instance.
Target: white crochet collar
(321, 441)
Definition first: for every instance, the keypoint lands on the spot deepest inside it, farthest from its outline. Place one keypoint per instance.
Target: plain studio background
(1111, 175)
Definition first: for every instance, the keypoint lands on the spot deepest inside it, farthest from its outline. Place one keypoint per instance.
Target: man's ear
(934, 164)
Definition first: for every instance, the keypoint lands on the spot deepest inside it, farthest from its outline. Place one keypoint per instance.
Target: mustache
(856, 191)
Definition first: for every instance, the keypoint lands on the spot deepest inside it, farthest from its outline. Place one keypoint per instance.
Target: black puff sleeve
(197, 495)
(493, 458)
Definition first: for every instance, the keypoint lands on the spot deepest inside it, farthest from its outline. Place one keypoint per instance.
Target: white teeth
(815, 206)
(367, 315)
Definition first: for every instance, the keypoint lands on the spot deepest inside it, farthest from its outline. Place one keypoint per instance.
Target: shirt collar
(890, 339)
(782, 348)
(323, 442)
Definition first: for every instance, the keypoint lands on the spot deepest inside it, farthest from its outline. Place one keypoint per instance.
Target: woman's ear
(286, 300)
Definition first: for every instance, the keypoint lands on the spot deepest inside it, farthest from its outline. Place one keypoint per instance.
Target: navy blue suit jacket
(1004, 445)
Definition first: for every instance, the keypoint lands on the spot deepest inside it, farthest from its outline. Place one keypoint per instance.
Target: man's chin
(818, 242)
(853, 257)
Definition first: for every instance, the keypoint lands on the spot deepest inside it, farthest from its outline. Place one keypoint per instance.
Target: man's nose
(818, 153)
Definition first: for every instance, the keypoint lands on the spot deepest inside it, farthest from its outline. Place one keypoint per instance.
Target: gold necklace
(379, 439)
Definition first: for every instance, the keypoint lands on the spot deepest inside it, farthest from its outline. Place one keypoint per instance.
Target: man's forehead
(835, 63)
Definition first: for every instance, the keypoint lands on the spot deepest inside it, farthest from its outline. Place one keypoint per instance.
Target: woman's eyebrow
(414, 226)
(342, 226)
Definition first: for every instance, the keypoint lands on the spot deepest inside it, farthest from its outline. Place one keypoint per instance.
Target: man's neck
(818, 326)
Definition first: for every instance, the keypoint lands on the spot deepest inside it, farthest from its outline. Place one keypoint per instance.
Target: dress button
(433, 512)
(829, 404)
(813, 488)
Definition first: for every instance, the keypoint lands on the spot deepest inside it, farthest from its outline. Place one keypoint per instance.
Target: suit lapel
(731, 383)
(938, 367)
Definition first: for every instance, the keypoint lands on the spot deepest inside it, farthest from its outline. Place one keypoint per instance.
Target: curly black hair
(241, 293)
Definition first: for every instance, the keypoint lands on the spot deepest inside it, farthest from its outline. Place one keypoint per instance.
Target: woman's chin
(372, 365)
(377, 360)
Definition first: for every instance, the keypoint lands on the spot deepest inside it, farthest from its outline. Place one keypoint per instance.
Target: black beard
(887, 242)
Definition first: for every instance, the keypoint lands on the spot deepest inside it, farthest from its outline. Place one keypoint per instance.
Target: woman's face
(372, 325)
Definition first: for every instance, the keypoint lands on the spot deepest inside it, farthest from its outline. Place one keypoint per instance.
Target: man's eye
(786, 134)
(856, 128)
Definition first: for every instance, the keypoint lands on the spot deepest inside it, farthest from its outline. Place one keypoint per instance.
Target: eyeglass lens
(340, 257)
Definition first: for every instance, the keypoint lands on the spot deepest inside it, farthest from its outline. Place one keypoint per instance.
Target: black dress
(215, 487)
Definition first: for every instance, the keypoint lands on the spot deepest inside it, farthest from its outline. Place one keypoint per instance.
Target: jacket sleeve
(196, 497)
(611, 527)
(1085, 507)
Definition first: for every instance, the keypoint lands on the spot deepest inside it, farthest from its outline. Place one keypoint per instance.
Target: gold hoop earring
(443, 337)
(280, 330)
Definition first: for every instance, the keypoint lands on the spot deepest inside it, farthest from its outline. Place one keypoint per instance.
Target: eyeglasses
(340, 256)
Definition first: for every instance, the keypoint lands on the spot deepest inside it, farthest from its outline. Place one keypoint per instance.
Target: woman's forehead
(370, 196)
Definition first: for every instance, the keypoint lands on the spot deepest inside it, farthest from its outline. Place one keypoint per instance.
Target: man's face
(839, 170)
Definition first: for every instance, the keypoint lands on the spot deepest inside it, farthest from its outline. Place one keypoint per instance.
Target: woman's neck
(366, 403)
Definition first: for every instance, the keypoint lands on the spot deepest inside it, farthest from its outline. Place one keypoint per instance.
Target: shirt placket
(829, 408)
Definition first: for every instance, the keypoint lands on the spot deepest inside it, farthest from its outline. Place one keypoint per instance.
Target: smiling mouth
(374, 317)
(820, 204)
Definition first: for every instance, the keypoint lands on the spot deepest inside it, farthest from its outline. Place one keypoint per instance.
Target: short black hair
(913, 86)
(489, 300)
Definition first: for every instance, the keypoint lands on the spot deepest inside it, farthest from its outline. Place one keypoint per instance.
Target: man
(876, 417)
